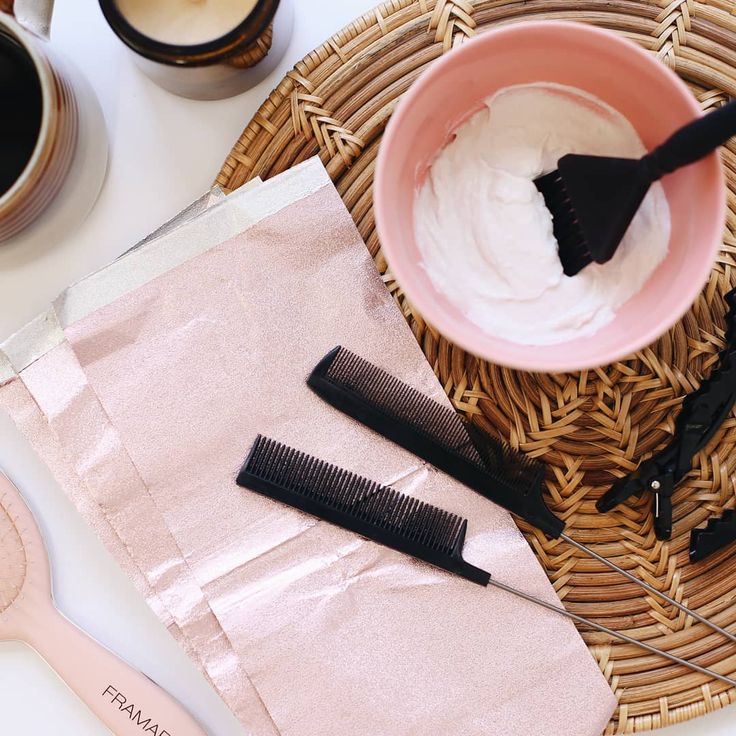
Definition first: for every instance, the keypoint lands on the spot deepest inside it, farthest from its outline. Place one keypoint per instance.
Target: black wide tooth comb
(390, 518)
(440, 436)
(719, 532)
(593, 199)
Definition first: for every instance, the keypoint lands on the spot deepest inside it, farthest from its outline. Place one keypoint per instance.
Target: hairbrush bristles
(377, 512)
(435, 433)
(13, 562)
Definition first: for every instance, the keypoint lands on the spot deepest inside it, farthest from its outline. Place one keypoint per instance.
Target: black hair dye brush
(390, 518)
(593, 199)
(438, 434)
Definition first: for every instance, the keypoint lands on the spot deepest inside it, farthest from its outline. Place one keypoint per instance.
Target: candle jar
(192, 48)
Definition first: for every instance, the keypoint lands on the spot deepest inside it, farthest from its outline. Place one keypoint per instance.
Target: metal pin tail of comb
(392, 519)
(440, 436)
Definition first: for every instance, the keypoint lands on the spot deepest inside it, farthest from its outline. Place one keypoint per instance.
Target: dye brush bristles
(439, 435)
(390, 518)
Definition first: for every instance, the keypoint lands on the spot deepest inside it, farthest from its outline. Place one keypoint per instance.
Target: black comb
(593, 199)
(719, 532)
(388, 517)
(443, 438)
(435, 433)
(380, 513)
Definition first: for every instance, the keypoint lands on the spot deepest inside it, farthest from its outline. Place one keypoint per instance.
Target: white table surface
(165, 151)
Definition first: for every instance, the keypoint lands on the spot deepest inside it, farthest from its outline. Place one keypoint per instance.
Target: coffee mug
(53, 143)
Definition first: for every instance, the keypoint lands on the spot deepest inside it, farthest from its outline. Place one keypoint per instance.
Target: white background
(165, 151)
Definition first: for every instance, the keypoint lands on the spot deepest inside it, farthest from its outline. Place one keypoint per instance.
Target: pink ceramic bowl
(651, 96)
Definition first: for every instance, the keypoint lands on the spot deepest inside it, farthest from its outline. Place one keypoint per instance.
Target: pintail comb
(352, 502)
(388, 517)
(435, 433)
(440, 436)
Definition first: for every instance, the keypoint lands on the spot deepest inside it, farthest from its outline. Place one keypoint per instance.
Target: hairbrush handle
(123, 698)
(693, 141)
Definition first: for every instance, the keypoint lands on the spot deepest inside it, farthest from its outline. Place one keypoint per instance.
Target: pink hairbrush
(125, 700)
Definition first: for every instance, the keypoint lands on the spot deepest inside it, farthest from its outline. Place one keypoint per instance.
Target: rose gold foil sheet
(26, 414)
(114, 492)
(337, 634)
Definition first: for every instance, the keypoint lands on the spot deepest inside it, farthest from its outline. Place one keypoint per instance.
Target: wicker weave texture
(589, 427)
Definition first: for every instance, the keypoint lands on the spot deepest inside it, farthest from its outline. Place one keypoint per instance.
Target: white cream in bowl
(485, 234)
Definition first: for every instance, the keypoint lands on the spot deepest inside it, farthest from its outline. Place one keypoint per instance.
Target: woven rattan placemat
(588, 427)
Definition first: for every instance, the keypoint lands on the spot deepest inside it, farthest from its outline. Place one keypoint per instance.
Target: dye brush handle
(692, 142)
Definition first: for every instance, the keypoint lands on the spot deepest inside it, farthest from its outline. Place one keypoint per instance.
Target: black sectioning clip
(720, 531)
(703, 411)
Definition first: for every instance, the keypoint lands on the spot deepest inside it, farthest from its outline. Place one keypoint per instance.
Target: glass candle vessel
(203, 49)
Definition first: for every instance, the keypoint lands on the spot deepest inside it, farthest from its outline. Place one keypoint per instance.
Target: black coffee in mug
(21, 107)
(53, 147)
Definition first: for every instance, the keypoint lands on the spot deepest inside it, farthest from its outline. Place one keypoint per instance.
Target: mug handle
(33, 15)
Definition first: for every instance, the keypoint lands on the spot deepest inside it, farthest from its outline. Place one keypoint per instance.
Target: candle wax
(185, 22)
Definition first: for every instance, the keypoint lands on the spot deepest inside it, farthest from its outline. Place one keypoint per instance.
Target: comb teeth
(432, 419)
(382, 389)
(435, 433)
(378, 512)
(571, 244)
(381, 506)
